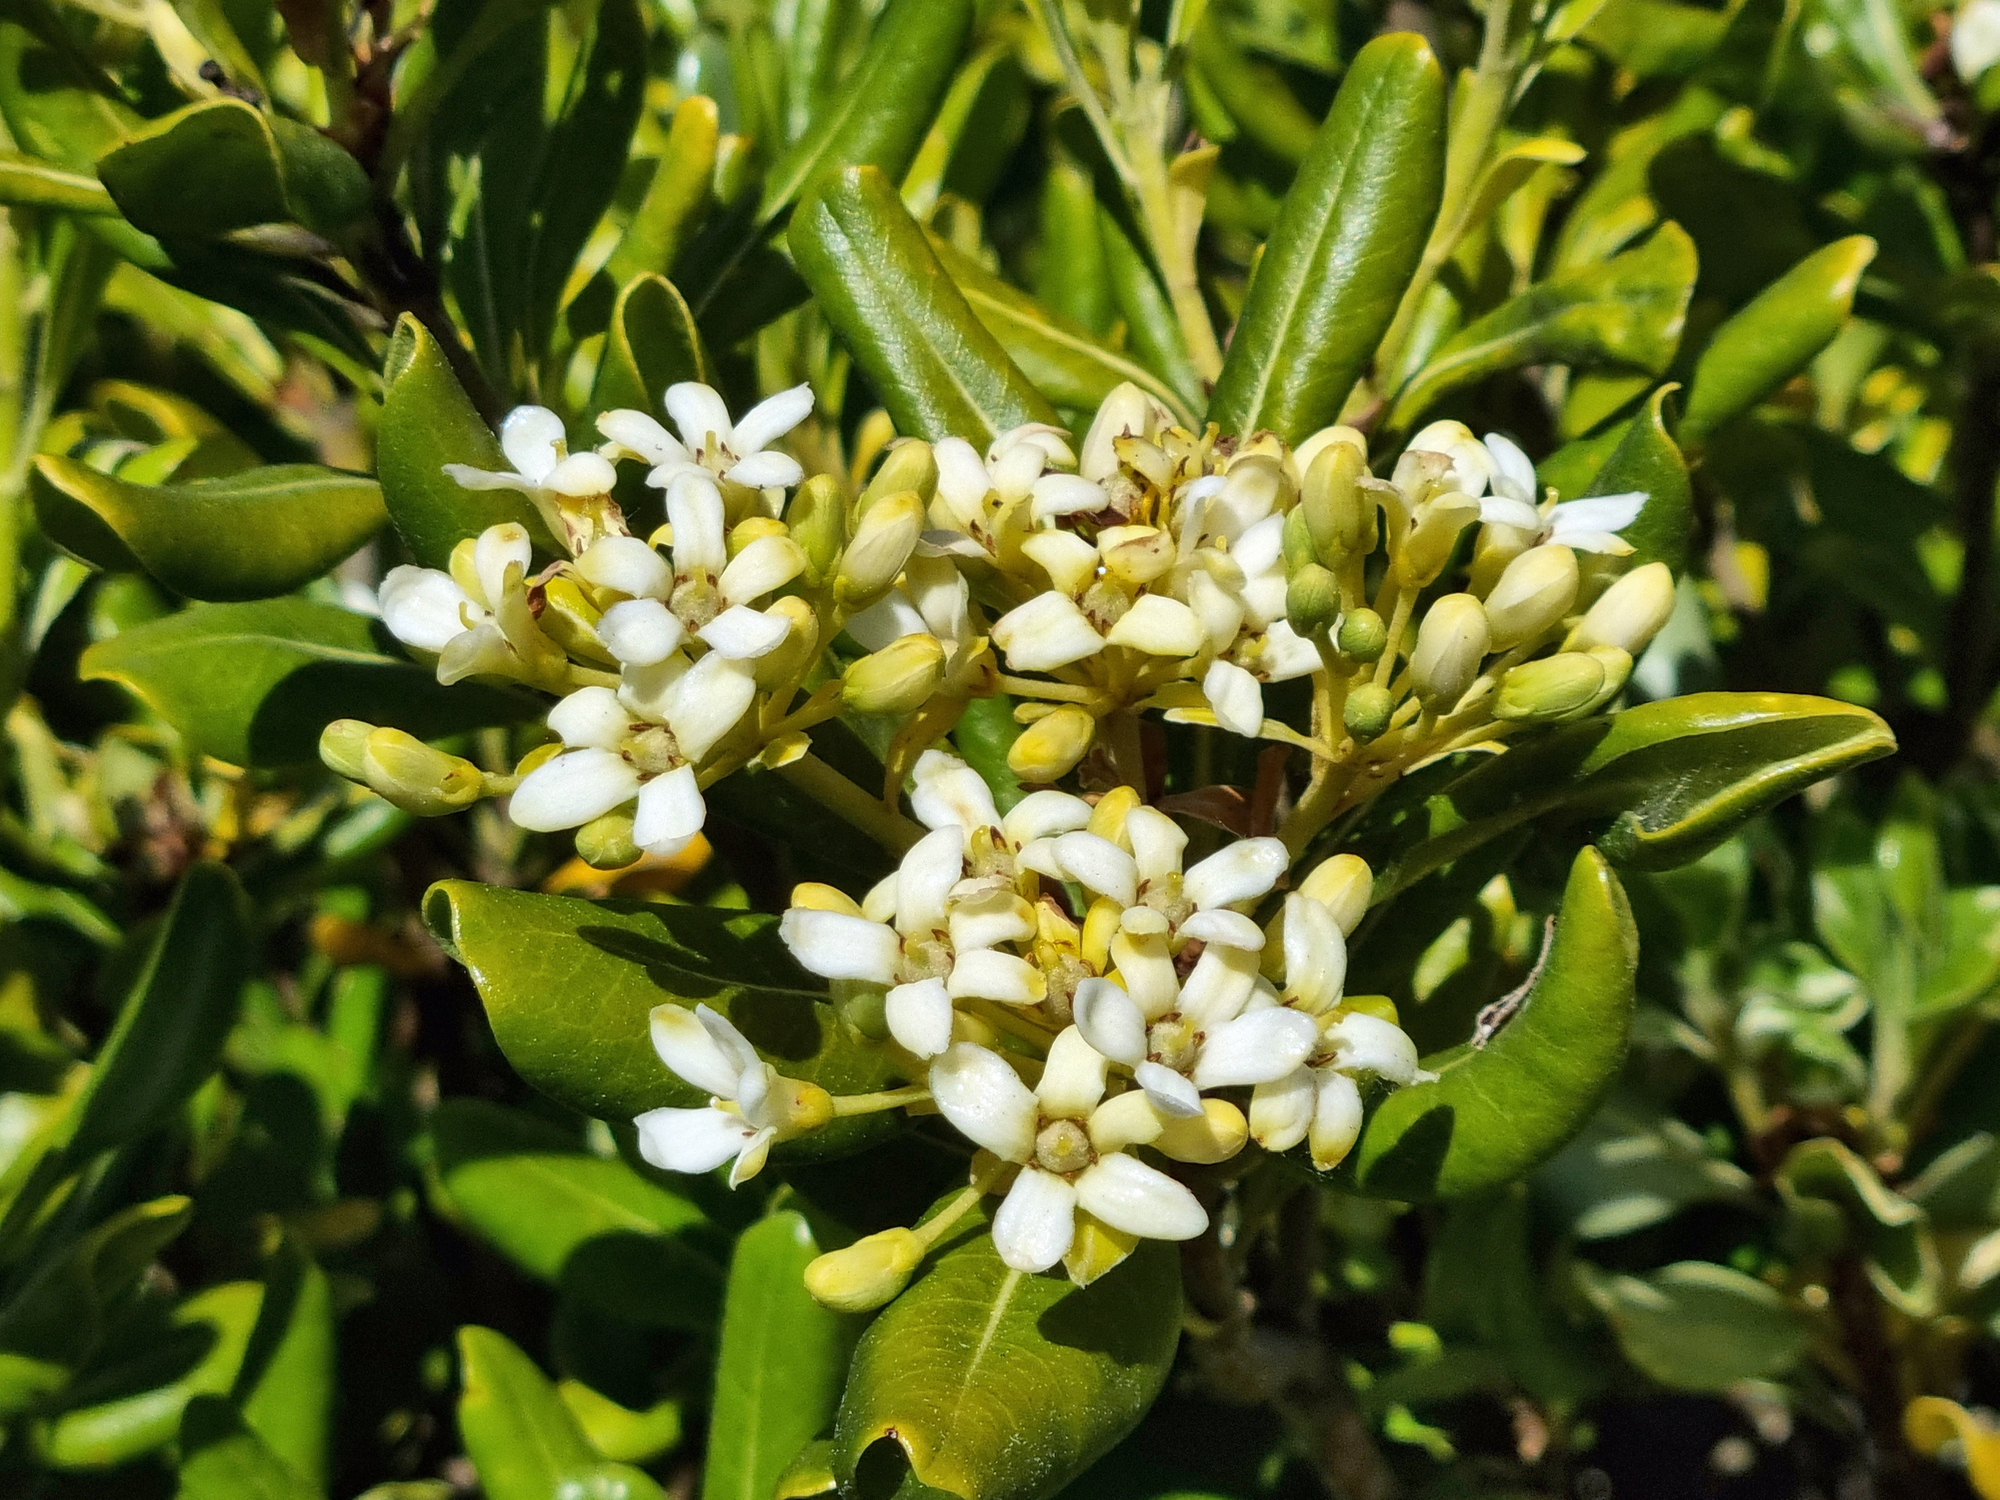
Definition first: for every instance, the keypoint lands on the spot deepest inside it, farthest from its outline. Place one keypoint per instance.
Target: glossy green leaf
(56, 111)
(568, 985)
(979, 123)
(879, 114)
(1659, 38)
(651, 344)
(221, 165)
(28, 182)
(1775, 337)
(1494, 1112)
(428, 422)
(253, 684)
(938, 370)
(1253, 94)
(286, 1389)
(778, 1375)
(809, 1473)
(222, 1458)
(1700, 1327)
(1155, 332)
(999, 1385)
(1072, 279)
(680, 192)
(1661, 783)
(535, 1195)
(246, 536)
(1890, 1231)
(635, 1437)
(1647, 459)
(1347, 240)
(1627, 311)
(1065, 363)
(1632, 1167)
(521, 1436)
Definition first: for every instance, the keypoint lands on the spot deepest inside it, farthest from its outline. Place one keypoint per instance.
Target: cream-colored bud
(1534, 593)
(1451, 643)
(1362, 636)
(1552, 688)
(1049, 748)
(789, 659)
(1127, 410)
(881, 545)
(1339, 512)
(605, 843)
(817, 519)
(867, 1274)
(1312, 600)
(1367, 713)
(340, 747)
(1629, 613)
(1433, 535)
(1344, 885)
(898, 679)
(1307, 453)
(402, 769)
(910, 465)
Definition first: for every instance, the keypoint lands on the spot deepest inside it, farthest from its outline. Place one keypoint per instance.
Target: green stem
(842, 797)
(868, 1104)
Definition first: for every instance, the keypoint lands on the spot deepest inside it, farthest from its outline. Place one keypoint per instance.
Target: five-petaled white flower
(476, 617)
(709, 443)
(751, 1106)
(1588, 525)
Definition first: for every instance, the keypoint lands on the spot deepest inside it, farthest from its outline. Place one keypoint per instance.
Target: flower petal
(640, 632)
(1099, 865)
(571, 790)
(1156, 841)
(1065, 495)
(421, 607)
(498, 549)
(1048, 631)
(741, 633)
(1258, 1047)
(694, 510)
(1242, 871)
(1110, 1020)
(766, 471)
(767, 563)
(924, 879)
(1043, 815)
(1036, 1221)
(1597, 513)
(1171, 1093)
(836, 946)
(532, 438)
(691, 1140)
(1281, 1111)
(1072, 1079)
(671, 812)
(1315, 955)
(1499, 510)
(1336, 1123)
(1159, 626)
(707, 701)
(582, 474)
(643, 435)
(1127, 1194)
(592, 717)
(948, 791)
(1218, 987)
(1513, 475)
(985, 1100)
(628, 565)
(1369, 1044)
(771, 418)
(700, 414)
(1220, 925)
(919, 1017)
(690, 1051)
(1001, 977)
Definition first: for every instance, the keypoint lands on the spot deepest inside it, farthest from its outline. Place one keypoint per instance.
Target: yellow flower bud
(402, 769)
(753, 529)
(1214, 1135)
(1362, 636)
(882, 543)
(910, 465)
(867, 1274)
(1537, 589)
(796, 651)
(1630, 612)
(1367, 713)
(605, 843)
(1343, 885)
(1339, 512)
(1312, 600)
(340, 747)
(898, 679)
(1451, 643)
(1051, 746)
(817, 520)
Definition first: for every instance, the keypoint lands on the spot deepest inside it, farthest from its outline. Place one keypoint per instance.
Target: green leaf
(679, 194)
(1627, 311)
(1350, 234)
(28, 182)
(1150, 322)
(1661, 783)
(999, 1385)
(1494, 1112)
(221, 165)
(1695, 1326)
(286, 1387)
(937, 369)
(878, 115)
(1633, 1167)
(651, 344)
(1065, 364)
(428, 422)
(245, 536)
(521, 1436)
(1647, 459)
(253, 684)
(1072, 279)
(1254, 94)
(778, 1375)
(1891, 1232)
(809, 1473)
(636, 1437)
(568, 985)
(1775, 337)
(1658, 38)
(222, 1458)
(536, 1196)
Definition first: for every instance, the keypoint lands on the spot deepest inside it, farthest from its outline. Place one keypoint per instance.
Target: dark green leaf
(651, 344)
(778, 1376)
(1150, 322)
(1647, 459)
(222, 1458)
(1702, 1327)
(246, 536)
(286, 1387)
(28, 182)
(677, 197)
(568, 986)
(1347, 240)
(937, 369)
(999, 1385)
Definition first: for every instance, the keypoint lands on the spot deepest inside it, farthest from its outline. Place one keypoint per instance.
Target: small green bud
(868, 1273)
(817, 518)
(1312, 600)
(1367, 713)
(605, 843)
(863, 1006)
(898, 679)
(909, 465)
(340, 747)
(1050, 747)
(1539, 692)
(1339, 511)
(1362, 636)
(1451, 643)
(403, 770)
(1299, 548)
(882, 544)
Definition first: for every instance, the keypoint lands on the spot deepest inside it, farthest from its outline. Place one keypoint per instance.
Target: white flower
(1070, 1143)
(532, 438)
(982, 507)
(1589, 525)
(751, 1107)
(709, 444)
(1975, 38)
(476, 617)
